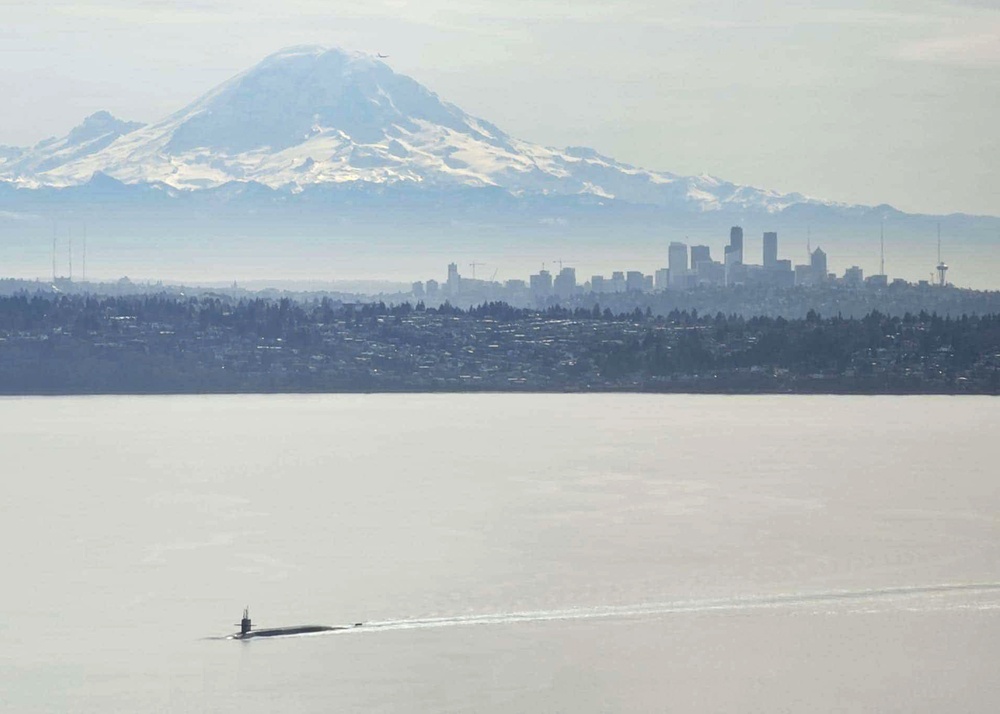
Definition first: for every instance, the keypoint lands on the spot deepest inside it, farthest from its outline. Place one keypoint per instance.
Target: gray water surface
(535, 553)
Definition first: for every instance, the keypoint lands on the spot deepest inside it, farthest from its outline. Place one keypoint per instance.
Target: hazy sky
(895, 101)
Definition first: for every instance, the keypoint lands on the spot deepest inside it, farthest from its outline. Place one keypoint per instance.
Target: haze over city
(499, 356)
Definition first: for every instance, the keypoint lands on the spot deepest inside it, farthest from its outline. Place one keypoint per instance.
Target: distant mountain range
(309, 116)
(322, 152)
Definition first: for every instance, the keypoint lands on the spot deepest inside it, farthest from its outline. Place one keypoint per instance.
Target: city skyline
(69, 244)
(688, 267)
(64, 250)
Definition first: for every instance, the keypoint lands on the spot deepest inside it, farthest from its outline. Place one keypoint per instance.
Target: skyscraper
(677, 260)
(817, 263)
(733, 253)
(700, 254)
(565, 283)
(735, 247)
(541, 284)
(770, 249)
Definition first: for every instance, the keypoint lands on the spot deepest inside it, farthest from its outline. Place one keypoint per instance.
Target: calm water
(511, 553)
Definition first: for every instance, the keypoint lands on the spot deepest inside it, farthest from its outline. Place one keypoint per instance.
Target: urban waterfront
(556, 553)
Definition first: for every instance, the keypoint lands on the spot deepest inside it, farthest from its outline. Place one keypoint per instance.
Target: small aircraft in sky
(381, 56)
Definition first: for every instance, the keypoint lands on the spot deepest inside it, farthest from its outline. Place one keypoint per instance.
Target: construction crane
(494, 276)
(473, 265)
(560, 262)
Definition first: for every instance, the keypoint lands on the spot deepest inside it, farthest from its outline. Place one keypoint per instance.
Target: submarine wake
(684, 606)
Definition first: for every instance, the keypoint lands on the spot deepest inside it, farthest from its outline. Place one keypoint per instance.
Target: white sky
(868, 102)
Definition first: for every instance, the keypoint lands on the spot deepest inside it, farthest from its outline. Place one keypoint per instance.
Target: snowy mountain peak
(100, 124)
(299, 51)
(295, 94)
(93, 135)
(311, 115)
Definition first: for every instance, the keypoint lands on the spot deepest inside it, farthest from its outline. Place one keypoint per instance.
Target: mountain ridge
(309, 115)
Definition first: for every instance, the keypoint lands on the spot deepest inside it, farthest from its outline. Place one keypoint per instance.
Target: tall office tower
(677, 256)
(634, 282)
(736, 244)
(453, 277)
(541, 284)
(660, 278)
(770, 249)
(700, 254)
(734, 254)
(617, 281)
(597, 284)
(677, 259)
(565, 283)
(817, 264)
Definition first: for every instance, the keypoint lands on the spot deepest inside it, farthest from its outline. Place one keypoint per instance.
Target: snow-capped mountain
(310, 115)
(97, 132)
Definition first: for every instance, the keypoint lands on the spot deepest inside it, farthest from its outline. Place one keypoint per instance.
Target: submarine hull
(286, 631)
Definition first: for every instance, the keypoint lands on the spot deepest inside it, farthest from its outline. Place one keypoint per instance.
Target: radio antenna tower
(941, 267)
(881, 249)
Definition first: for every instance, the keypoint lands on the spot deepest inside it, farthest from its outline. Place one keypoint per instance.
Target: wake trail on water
(640, 610)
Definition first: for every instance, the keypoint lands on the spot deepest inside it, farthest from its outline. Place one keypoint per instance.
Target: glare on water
(506, 553)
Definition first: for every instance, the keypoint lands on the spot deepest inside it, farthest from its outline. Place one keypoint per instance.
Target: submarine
(247, 632)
